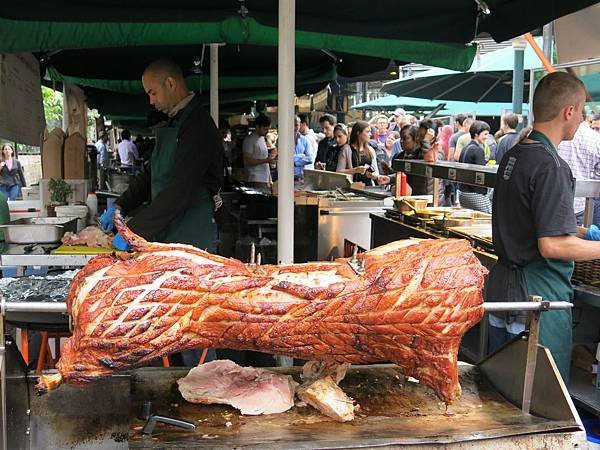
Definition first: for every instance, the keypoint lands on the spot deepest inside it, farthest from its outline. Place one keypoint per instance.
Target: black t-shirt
(454, 139)
(324, 150)
(533, 198)
(472, 154)
(507, 142)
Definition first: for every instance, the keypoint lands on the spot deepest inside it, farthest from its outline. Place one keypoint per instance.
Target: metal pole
(518, 81)
(214, 83)
(531, 91)
(588, 212)
(285, 162)
(285, 111)
(532, 351)
(526, 306)
(547, 34)
(3, 424)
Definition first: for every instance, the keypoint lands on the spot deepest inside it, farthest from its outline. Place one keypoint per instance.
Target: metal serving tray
(38, 230)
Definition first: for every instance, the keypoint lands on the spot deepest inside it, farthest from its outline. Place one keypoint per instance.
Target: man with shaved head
(182, 183)
(185, 174)
(534, 230)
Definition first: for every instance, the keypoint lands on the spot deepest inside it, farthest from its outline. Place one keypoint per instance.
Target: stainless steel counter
(345, 220)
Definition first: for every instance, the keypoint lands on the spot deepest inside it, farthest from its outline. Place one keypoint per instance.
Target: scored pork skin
(412, 306)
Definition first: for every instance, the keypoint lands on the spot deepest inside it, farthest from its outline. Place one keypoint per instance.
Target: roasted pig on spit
(412, 305)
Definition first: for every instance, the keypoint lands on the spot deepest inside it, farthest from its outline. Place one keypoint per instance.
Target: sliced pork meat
(253, 391)
(326, 396)
(321, 391)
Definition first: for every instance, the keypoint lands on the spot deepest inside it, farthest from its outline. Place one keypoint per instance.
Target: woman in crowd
(344, 151)
(475, 197)
(271, 141)
(418, 143)
(381, 132)
(445, 135)
(11, 173)
(386, 153)
(362, 154)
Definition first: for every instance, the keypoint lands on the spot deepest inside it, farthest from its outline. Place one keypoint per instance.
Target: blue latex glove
(120, 244)
(106, 219)
(593, 233)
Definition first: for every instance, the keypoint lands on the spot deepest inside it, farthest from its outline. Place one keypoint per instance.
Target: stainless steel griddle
(394, 411)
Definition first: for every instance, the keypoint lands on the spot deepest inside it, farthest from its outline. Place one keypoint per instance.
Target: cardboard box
(52, 153)
(75, 158)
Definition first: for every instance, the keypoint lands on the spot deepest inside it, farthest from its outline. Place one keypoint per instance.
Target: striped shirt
(582, 154)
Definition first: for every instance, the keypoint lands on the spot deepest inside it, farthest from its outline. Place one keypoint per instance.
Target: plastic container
(92, 204)
(79, 211)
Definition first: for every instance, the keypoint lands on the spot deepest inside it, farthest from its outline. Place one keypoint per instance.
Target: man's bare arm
(570, 248)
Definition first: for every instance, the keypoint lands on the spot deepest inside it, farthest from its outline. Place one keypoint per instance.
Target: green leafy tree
(53, 107)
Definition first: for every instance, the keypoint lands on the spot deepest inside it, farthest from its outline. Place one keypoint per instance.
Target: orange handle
(538, 51)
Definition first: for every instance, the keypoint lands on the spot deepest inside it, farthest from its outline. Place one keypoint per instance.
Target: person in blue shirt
(103, 155)
(303, 153)
(103, 158)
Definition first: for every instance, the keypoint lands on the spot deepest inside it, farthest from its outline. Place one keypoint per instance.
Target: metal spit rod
(34, 307)
(61, 307)
(526, 306)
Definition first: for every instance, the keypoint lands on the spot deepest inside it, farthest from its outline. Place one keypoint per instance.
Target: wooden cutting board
(81, 250)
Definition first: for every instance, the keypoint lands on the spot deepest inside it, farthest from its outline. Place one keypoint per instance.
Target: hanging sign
(21, 106)
(320, 100)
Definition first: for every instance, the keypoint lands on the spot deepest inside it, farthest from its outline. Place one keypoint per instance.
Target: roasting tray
(38, 230)
(394, 412)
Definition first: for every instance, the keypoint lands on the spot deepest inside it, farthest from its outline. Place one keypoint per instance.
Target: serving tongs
(153, 419)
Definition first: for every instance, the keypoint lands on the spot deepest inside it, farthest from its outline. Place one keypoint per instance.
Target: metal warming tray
(394, 412)
(38, 230)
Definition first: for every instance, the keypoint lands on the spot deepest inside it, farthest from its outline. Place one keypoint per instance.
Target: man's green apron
(195, 225)
(551, 279)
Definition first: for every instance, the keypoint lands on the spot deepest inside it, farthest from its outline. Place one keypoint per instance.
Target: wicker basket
(587, 272)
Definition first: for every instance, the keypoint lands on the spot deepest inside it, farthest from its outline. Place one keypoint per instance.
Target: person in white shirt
(128, 152)
(257, 157)
(582, 154)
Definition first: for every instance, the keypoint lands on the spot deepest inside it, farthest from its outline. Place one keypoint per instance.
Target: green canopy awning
(489, 79)
(391, 102)
(307, 76)
(432, 32)
(107, 44)
(44, 36)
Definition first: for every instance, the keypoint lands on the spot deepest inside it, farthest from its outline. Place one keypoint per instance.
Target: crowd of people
(365, 151)
(128, 157)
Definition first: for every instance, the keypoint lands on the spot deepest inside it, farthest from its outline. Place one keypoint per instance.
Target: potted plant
(59, 191)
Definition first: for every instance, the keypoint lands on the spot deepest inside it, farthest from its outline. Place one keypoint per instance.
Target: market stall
(105, 416)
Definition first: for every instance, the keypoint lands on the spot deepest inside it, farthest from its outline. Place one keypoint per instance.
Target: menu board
(21, 106)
